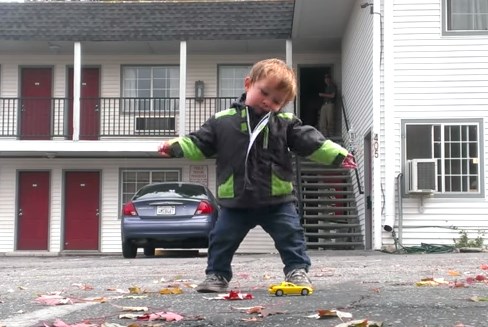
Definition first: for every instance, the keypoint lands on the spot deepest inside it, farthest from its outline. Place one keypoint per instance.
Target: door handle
(96, 107)
(20, 212)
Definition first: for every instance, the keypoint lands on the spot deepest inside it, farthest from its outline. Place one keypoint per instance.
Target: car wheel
(279, 293)
(149, 251)
(129, 250)
(304, 291)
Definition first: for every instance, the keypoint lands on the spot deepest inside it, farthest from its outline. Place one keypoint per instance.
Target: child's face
(264, 96)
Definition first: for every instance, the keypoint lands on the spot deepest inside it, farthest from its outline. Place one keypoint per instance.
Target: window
(133, 180)
(231, 83)
(152, 88)
(466, 16)
(456, 146)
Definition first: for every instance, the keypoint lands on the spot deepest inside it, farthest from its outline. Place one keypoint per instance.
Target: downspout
(389, 122)
(182, 99)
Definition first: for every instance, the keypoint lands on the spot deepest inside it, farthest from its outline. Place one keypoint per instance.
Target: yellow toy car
(286, 288)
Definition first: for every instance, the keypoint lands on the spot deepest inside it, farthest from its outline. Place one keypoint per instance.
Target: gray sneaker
(213, 283)
(298, 277)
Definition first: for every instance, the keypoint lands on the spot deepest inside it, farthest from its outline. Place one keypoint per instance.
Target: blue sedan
(168, 215)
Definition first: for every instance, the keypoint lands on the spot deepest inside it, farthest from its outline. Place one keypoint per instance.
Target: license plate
(165, 210)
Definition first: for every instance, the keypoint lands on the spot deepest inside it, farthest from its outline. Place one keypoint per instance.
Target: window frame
(173, 101)
(143, 170)
(220, 67)
(445, 24)
(431, 122)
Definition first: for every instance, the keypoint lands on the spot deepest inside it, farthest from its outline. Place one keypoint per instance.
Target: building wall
(357, 91)
(201, 67)
(110, 197)
(432, 76)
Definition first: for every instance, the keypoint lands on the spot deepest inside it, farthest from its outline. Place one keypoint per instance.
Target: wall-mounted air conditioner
(422, 176)
(154, 124)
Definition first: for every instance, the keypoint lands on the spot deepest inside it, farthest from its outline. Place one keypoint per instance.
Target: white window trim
(448, 32)
(404, 167)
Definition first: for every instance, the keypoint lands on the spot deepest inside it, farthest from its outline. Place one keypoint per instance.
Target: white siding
(357, 88)
(200, 67)
(110, 203)
(434, 76)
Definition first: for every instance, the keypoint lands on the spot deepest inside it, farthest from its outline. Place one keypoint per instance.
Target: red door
(81, 210)
(89, 104)
(33, 210)
(35, 107)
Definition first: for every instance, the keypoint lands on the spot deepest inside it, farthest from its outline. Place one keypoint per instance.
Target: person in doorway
(327, 111)
(252, 142)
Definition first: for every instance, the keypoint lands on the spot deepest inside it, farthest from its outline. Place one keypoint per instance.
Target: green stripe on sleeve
(327, 153)
(190, 150)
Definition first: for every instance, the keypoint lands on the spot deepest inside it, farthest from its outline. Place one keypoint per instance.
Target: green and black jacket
(270, 173)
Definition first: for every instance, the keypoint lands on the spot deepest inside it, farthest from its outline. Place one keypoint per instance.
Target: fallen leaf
(330, 313)
(479, 299)
(233, 295)
(480, 278)
(484, 266)
(135, 309)
(135, 290)
(453, 273)
(167, 316)
(171, 290)
(269, 312)
(81, 286)
(267, 277)
(361, 323)
(54, 300)
(60, 323)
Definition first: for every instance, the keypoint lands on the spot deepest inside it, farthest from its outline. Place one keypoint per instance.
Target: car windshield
(172, 191)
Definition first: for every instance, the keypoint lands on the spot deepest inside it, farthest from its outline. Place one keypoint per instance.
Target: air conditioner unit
(422, 176)
(154, 124)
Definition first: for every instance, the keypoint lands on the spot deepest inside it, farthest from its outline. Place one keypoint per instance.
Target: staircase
(328, 207)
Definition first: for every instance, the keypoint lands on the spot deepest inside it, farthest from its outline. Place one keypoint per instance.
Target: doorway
(35, 107)
(311, 81)
(33, 210)
(81, 210)
(368, 217)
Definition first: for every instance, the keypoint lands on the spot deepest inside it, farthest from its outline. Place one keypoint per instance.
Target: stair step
(330, 217)
(332, 235)
(315, 186)
(330, 226)
(326, 199)
(324, 173)
(328, 208)
(327, 192)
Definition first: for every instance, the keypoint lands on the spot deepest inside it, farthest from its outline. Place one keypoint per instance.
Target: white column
(290, 107)
(76, 91)
(182, 117)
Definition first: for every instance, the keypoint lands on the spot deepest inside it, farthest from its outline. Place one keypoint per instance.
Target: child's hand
(164, 149)
(349, 162)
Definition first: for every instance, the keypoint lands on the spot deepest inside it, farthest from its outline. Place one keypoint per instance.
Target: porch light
(199, 91)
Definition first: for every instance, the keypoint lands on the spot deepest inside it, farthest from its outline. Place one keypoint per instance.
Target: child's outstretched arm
(197, 145)
(308, 142)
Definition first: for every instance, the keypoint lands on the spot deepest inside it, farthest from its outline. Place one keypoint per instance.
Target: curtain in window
(471, 15)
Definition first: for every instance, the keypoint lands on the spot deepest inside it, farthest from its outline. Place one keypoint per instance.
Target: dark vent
(155, 124)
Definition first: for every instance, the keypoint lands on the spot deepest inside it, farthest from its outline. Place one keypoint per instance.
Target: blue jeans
(280, 221)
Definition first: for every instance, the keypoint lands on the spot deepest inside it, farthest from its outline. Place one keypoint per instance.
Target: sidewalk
(369, 285)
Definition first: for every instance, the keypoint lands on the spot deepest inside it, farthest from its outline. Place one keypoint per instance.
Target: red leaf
(480, 278)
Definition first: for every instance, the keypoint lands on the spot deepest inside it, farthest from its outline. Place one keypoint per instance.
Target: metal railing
(48, 118)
